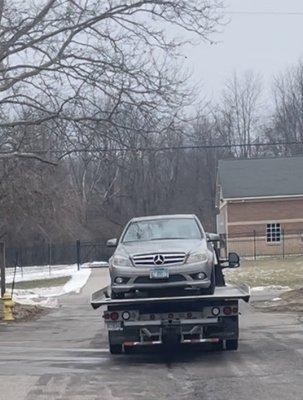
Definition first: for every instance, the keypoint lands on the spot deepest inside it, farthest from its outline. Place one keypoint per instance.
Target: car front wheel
(115, 295)
(211, 289)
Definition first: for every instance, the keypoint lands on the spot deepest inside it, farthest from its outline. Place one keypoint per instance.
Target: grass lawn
(267, 272)
(41, 283)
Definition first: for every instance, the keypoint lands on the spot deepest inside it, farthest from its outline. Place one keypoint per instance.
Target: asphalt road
(64, 355)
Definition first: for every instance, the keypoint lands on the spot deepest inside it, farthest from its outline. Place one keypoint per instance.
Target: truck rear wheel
(115, 348)
(232, 344)
(113, 341)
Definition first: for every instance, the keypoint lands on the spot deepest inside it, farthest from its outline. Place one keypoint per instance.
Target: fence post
(2, 268)
(78, 244)
(283, 244)
(255, 246)
(49, 257)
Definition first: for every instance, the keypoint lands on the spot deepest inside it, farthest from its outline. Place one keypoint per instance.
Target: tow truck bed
(228, 292)
(169, 320)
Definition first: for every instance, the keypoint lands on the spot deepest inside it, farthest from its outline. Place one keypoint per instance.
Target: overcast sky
(264, 43)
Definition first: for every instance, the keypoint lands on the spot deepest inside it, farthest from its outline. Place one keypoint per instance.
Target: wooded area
(95, 112)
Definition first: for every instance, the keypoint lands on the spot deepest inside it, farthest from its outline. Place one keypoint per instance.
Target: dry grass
(24, 312)
(269, 272)
(41, 283)
(291, 301)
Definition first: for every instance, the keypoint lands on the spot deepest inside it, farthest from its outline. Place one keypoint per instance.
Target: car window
(161, 229)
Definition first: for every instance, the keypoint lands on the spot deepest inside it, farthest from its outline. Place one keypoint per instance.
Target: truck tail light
(227, 310)
(106, 316)
(215, 311)
(114, 316)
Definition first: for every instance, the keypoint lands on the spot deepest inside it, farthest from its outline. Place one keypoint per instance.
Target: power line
(164, 148)
(191, 147)
(63, 153)
(292, 13)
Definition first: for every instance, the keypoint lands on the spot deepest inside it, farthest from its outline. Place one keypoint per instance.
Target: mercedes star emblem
(158, 259)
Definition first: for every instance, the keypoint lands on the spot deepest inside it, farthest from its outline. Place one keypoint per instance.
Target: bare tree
(72, 59)
(287, 123)
(239, 116)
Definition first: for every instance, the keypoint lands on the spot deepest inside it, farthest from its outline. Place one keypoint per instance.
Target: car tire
(211, 289)
(231, 344)
(115, 295)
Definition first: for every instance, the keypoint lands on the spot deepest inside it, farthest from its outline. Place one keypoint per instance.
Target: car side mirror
(112, 243)
(233, 260)
(213, 237)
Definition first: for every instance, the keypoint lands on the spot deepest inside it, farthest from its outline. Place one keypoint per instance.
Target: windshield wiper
(169, 238)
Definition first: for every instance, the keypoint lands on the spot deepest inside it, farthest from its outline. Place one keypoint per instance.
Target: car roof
(153, 217)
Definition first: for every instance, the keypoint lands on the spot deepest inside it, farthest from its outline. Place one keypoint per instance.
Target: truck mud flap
(171, 335)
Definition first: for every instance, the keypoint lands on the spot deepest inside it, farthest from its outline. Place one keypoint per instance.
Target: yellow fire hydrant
(8, 307)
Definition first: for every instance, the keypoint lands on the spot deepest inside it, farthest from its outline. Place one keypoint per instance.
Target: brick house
(260, 205)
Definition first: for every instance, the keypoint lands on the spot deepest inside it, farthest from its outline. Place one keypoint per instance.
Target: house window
(273, 233)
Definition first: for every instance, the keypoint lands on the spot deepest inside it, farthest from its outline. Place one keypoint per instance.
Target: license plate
(114, 326)
(159, 273)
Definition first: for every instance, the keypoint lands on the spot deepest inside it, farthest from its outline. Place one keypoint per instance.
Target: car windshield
(162, 229)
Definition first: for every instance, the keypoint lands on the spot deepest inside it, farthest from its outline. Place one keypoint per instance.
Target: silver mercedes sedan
(161, 252)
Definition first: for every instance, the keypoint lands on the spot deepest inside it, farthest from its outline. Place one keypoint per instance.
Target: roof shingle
(265, 177)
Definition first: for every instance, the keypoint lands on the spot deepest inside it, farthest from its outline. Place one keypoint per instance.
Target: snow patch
(97, 264)
(269, 288)
(48, 302)
(39, 272)
(45, 297)
(77, 281)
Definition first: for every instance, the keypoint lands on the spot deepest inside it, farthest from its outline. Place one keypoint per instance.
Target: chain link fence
(56, 254)
(253, 244)
(249, 244)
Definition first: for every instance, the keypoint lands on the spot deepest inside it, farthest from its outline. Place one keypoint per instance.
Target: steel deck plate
(228, 292)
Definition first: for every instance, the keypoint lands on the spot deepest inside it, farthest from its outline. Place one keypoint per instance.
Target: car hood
(162, 246)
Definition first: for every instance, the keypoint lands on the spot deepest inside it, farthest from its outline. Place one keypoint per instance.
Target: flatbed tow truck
(173, 319)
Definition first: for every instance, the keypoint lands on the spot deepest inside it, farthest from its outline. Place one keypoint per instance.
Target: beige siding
(222, 220)
(247, 221)
(265, 210)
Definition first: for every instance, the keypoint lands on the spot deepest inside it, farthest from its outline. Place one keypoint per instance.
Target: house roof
(263, 177)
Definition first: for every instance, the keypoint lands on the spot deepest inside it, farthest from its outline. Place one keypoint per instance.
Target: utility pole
(2, 267)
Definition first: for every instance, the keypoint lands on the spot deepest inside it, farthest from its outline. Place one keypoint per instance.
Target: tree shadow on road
(170, 355)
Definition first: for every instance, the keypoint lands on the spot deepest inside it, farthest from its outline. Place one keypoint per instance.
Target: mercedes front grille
(158, 259)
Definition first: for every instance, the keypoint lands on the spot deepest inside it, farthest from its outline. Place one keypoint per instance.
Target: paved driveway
(64, 355)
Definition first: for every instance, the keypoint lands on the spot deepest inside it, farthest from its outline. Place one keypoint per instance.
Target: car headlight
(196, 257)
(120, 261)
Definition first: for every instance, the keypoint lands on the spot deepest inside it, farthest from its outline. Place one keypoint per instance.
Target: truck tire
(129, 350)
(113, 342)
(218, 346)
(115, 348)
(232, 344)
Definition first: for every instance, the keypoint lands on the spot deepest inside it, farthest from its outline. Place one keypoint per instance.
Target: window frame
(274, 233)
